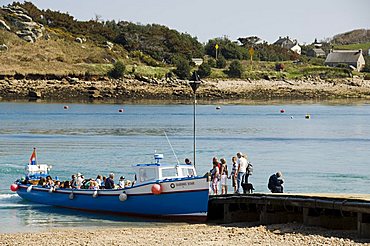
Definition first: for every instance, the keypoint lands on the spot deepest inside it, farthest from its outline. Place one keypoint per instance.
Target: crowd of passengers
(79, 182)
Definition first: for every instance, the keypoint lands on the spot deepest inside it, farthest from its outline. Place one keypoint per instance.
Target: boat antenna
(173, 151)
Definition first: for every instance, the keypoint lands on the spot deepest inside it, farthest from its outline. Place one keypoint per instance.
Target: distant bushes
(117, 71)
(204, 70)
(235, 69)
(221, 62)
(182, 68)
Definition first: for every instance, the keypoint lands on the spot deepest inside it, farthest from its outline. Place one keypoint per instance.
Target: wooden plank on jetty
(335, 211)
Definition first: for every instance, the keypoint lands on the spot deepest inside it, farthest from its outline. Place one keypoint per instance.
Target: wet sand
(188, 234)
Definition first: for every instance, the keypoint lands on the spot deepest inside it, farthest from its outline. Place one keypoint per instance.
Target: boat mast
(194, 83)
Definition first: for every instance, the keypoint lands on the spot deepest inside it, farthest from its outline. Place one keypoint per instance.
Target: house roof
(343, 56)
(318, 51)
(284, 41)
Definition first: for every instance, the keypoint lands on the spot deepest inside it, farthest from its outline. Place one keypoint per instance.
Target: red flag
(33, 157)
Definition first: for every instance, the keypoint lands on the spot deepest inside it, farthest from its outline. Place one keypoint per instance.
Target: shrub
(221, 62)
(182, 68)
(235, 70)
(118, 70)
(211, 62)
(204, 70)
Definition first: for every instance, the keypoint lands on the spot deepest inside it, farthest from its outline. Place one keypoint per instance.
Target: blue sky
(268, 19)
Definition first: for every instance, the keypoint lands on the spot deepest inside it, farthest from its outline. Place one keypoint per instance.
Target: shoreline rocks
(103, 89)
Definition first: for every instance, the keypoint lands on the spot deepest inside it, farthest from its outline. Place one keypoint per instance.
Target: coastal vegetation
(144, 48)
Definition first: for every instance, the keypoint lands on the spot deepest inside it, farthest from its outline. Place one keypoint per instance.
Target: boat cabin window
(169, 172)
(187, 171)
(147, 174)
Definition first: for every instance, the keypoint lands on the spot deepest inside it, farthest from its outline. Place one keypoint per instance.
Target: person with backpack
(275, 183)
(242, 169)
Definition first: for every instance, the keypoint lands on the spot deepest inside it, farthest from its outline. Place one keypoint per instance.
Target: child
(233, 171)
(224, 174)
(215, 173)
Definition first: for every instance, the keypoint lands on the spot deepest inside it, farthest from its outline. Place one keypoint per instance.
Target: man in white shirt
(242, 168)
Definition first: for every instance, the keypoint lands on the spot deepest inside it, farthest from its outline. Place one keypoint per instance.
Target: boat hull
(180, 198)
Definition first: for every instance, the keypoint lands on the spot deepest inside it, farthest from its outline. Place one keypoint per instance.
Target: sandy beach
(188, 234)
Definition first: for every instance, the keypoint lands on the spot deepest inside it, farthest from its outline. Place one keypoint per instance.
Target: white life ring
(51, 190)
(122, 197)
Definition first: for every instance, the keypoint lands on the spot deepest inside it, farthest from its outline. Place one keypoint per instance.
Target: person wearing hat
(79, 180)
(275, 183)
(121, 183)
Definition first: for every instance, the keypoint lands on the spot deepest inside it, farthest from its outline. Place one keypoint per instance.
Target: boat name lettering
(185, 183)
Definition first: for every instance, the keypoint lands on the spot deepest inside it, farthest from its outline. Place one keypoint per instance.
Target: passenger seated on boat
(57, 184)
(85, 184)
(25, 180)
(128, 183)
(66, 185)
(73, 182)
(93, 185)
(42, 181)
(121, 183)
(187, 161)
(80, 180)
(49, 181)
(109, 183)
(98, 180)
(102, 186)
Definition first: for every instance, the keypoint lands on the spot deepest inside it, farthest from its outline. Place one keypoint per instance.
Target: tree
(235, 70)
(211, 62)
(227, 48)
(118, 70)
(249, 41)
(204, 70)
(221, 62)
(182, 68)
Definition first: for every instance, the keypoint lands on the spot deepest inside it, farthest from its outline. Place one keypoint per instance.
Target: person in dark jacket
(275, 184)
(109, 183)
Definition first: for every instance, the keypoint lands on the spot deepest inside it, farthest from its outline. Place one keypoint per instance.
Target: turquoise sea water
(327, 153)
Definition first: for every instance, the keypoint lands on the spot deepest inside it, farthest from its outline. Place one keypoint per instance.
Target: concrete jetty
(332, 211)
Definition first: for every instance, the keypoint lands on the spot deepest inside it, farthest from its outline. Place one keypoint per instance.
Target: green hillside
(364, 46)
(49, 42)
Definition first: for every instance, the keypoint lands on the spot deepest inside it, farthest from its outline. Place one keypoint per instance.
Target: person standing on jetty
(233, 172)
(215, 173)
(242, 168)
(275, 183)
(224, 173)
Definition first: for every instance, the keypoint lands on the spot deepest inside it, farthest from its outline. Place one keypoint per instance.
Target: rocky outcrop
(3, 47)
(27, 29)
(3, 25)
(108, 45)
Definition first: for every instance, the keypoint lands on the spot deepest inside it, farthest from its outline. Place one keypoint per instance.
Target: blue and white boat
(160, 190)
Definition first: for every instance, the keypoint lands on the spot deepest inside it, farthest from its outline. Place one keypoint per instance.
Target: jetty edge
(332, 211)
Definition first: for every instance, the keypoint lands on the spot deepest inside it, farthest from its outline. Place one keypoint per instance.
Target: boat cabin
(158, 171)
(37, 171)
